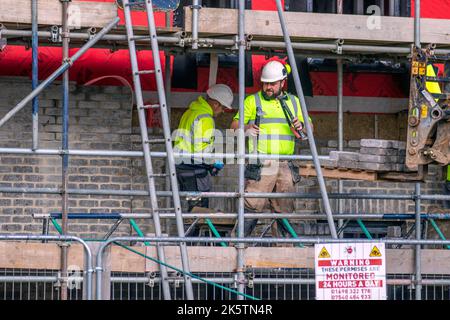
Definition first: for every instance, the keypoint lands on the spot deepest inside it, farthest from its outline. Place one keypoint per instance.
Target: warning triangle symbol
(375, 252)
(324, 253)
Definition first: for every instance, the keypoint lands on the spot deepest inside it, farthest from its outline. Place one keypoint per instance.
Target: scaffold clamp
(64, 244)
(339, 44)
(56, 34)
(151, 279)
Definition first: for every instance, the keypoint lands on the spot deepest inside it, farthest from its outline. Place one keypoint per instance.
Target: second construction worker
(272, 119)
(195, 134)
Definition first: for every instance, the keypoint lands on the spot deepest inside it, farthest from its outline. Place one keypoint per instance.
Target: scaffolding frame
(243, 44)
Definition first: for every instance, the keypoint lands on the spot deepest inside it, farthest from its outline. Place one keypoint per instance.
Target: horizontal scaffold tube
(224, 194)
(295, 216)
(393, 282)
(229, 44)
(108, 153)
(309, 240)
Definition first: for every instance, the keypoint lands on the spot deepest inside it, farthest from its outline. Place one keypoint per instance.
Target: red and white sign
(350, 271)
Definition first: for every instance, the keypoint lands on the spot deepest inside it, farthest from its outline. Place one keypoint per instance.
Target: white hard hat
(273, 71)
(221, 93)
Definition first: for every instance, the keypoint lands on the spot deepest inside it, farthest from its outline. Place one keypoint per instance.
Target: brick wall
(102, 118)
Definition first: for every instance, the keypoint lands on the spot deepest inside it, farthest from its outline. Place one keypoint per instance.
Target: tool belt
(253, 171)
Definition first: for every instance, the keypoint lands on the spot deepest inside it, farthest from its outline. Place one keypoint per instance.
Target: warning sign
(355, 271)
(324, 253)
(375, 252)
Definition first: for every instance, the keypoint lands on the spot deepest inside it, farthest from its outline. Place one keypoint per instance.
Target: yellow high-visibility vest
(275, 136)
(195, 132)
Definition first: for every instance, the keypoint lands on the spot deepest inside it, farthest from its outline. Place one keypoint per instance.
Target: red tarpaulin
(16, 61)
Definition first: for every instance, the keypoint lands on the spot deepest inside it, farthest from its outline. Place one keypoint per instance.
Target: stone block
(376, 166)
(329, 163)
(378, 151)
(385, 144)
(378, 159)
(344, 155)
(348, 164)
(354, 143)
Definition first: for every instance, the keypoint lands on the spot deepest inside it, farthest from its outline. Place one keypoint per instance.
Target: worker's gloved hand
(251, 130)
(216, 167)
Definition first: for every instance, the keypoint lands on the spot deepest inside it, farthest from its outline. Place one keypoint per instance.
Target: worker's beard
(273, 96)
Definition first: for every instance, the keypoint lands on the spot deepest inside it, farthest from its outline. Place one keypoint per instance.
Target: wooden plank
(308, 170)
(123, 260)
(302, 25)
(46, 256)
(201, 259)
(17, 255)
(81, 14)
(280, 257)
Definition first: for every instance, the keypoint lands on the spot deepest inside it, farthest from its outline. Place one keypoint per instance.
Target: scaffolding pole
(35, 73)
(312, 143)
(241, 151)
(228, 44)
(418, 252)
(340, 114)
(65, 145)
(113, 192)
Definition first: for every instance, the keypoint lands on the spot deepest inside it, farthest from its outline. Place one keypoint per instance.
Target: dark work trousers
(193, 177)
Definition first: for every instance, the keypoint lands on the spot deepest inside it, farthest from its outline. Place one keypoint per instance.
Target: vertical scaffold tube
(241, 150)
(340, 112)
(417, 187)
(65, 144)
(312, 144)
(35, 72)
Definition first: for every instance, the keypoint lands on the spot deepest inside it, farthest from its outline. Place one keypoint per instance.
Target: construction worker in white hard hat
(274, 119)
(195, 134)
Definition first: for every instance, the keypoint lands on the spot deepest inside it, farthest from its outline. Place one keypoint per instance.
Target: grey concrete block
(354, 143)
(344, 155)
(378, 151)
(378, 159)
(385, 144)
(376, 166)
(376, 143)
(348, 164)
(328, 163)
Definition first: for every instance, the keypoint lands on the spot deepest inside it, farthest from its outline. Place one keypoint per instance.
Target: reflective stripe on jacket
(275, 136)
(195, 132)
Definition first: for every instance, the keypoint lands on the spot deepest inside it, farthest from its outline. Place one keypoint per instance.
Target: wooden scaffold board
(82, 14)
(46, 256)
(301, 25)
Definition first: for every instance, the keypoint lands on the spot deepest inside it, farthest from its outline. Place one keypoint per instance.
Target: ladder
(127, 6)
